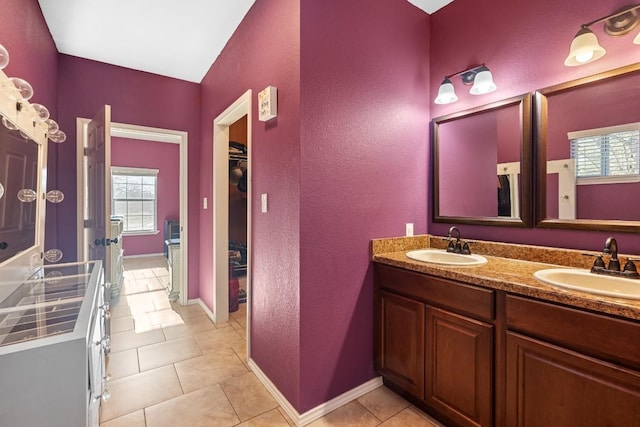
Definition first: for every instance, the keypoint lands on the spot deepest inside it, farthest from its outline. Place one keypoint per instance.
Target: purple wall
(134, 153)
(263, 51)
(33, 57)
(364, 110)
(137, 98)
(539, 33)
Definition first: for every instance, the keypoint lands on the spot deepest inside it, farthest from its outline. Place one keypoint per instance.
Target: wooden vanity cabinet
(569, 367)
(434, 344)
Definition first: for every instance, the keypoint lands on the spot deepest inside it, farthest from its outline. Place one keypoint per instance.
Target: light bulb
(53, 126)
(4, 57)
(55, 196)
(41, 110)
(58, 136)
(27, 195)
(53, 255)
(24, 88)
(584, 56)
(1, 190)
(9, 125)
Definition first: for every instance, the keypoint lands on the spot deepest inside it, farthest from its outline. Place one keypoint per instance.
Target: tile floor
(171, 366)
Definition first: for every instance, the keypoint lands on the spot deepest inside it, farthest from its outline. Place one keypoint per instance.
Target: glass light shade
(27, 195)
(24, 88)
(55, 196)
(637, 39)
(53, 126)
(41, 110)
(446, 93)
(53, 255)
(8, 124)
(483, 82)
(58, 136)
(584, 49)
(4, 57)
(1, 190)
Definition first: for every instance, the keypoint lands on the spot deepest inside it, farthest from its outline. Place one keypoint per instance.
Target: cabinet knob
(105, 306)
(107, 285)
(106, 395)
(107, 315)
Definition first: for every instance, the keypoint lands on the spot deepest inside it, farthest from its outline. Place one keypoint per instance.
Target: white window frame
(129, 171)
(609, 179)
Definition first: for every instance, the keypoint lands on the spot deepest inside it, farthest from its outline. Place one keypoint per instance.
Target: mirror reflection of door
(97, 165)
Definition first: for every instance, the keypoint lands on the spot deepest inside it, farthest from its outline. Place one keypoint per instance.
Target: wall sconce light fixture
(478, 75)
(585, 47)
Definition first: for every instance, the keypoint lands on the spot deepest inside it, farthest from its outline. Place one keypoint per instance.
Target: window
(607, 155)
(133, 195)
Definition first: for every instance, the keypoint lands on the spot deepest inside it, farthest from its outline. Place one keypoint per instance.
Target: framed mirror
(587, 145)
(482, 165)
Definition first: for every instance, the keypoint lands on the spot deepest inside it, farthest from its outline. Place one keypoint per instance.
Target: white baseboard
(320, 410)
(142, 256)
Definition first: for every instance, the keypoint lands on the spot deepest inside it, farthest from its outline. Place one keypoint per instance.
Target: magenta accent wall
(137, 98)
(524, 44)
(364, 106)
(263, 51)
(135, 153)
(33, 57)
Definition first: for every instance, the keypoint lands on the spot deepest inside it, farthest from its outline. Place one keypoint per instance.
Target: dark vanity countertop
(510, 275)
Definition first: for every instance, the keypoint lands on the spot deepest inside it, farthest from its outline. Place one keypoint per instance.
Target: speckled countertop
(510, 269)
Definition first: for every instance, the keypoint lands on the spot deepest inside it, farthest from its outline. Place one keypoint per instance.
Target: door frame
(145, 133)
(240, 108)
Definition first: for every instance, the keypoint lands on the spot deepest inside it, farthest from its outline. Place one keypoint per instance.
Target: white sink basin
(437, 256)
(585, 281)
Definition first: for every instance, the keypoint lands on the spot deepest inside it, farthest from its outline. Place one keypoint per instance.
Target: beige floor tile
(164, 316)
(122, 364)
(218, 338)
(130, 339)
(134, 419)
(248, 396)
(408, 417)
(138, 391)
(188, 311)
(154, 284)
(142, 322)
(352, 414)
(383, 403)
(164, 304)
(193, 326)
(239, 329)
(202, 408)
(212, 368)
(121, 324)
(119, 309)
(222, 325)
(272, 418)
(167, 352)
(427, 417)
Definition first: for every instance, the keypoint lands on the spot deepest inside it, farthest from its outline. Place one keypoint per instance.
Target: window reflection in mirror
(18, 171)
(588, 141)
(481, 164)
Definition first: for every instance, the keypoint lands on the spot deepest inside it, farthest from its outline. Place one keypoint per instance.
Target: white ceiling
(166, 37)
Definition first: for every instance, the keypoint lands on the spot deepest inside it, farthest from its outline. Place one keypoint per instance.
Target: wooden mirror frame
(541, 119)
(526, 158)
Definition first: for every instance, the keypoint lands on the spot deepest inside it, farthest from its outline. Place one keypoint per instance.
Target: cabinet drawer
(602, 336)
(465, 299)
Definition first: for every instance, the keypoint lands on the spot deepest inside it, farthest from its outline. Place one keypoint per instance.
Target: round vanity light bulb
(41, 110)
(24, 135)
(4, 57)
(53, 255)
(27, 195)
(55, 196)
(58, 136)
(9, 125)
(584, 48)
(1, 190)
(52, 124)
(483, 82)
(52, 277)
(446, 93)
(24, 88)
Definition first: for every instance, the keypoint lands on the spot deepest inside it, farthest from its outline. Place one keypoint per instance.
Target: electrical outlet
(409, 229)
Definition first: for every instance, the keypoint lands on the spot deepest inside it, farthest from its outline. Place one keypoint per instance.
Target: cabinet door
(552, 386)
(400, 341)
(459, 371)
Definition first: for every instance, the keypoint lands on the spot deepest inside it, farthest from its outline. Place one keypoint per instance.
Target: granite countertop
(508, 274)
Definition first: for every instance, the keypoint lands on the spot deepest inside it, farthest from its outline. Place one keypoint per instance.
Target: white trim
(124, 130)
(512, 169)
(125, 170)
(143, 256)
(565, 168)
(203, 306)
(140, 233)
(609, 179)
(240, 108)
(320, 410)
(602, 131)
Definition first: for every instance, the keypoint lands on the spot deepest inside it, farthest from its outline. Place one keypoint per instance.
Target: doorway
(221, 131)
(130, 131)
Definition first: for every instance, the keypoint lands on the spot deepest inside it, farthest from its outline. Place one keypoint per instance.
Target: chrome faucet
(457, 247)
(613, 269)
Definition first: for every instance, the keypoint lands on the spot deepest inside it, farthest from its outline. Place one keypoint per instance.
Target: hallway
(171, 366)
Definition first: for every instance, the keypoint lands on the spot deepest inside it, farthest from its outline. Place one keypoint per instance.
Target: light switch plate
(263, 199)
(409, 229)
(204, 203)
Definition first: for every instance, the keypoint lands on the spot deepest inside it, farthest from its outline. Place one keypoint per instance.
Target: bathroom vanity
(492, 346)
